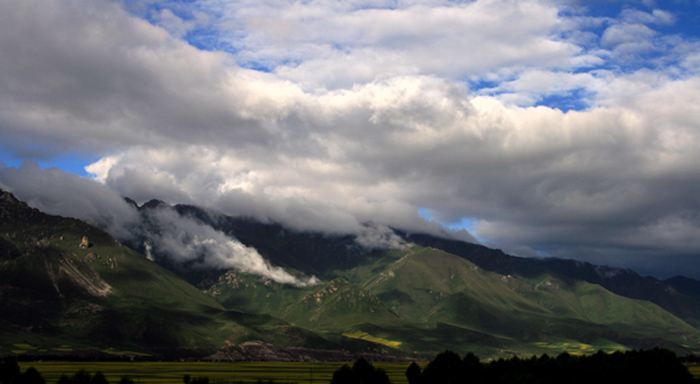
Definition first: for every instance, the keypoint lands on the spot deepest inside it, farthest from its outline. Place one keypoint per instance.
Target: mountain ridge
(625, 282)
(69, 283)
(416, 300)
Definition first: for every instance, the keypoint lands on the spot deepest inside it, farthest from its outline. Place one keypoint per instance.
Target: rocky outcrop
(81, 275)
(84, 243)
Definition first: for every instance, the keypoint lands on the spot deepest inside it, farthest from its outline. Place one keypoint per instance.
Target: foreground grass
(172, 372)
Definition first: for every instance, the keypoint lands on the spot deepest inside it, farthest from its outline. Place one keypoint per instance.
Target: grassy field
(172, 372)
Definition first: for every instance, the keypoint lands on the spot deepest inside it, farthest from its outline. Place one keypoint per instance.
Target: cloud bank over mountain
(559, 128)
(180, 239)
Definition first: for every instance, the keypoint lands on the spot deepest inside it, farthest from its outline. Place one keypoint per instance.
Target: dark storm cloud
(88, 77)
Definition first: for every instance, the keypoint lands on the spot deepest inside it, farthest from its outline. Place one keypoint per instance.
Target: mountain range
(168, 287)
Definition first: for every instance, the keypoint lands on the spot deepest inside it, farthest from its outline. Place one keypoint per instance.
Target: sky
(546, 128)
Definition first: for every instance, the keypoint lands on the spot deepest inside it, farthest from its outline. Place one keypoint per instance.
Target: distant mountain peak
(12, 209)
(153, 204)
(7, 199)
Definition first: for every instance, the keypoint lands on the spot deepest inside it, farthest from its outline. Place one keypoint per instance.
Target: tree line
(648, 366)
(10, 373)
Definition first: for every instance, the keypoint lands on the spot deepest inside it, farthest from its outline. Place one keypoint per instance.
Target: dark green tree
(362, 372)
(343, 375)
(9, 370)
(446, 368)
(31, 376)
(80, 377)
(413, 373)
(98, 378)
(200, 380)
(472, 368)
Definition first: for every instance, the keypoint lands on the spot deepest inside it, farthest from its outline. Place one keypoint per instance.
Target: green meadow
(173, 372)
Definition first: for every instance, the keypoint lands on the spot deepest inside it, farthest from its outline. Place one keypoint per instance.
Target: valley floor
(173, 372)
(246, 372)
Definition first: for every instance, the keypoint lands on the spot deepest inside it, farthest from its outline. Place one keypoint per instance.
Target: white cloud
(657, 16)
(59, 193)
(539, 175)
(185, 240)
(365, 114)
(175, 25)
(534, 85)
(182, 239)
(627, 34)
(338, 44)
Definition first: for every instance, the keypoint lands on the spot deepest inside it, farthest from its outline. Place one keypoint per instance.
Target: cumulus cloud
(526, 172)
(59, 193)
(631, 35)
(177, 26)
(330, 115)
(88, 77)
(181, 239)
(185, 240)
(371, 39)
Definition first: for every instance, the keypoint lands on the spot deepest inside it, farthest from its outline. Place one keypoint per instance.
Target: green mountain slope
(331, 308)
(681, 302)
(63, 282)
(323, 255)
(428, 286)
(65, 285)
(423, 300)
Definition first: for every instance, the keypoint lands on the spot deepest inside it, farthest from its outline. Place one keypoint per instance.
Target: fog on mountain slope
(183, 239)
